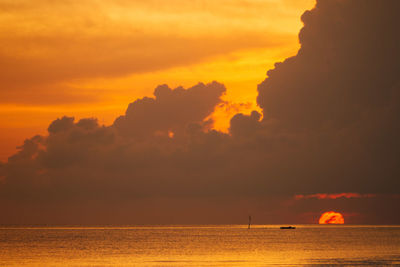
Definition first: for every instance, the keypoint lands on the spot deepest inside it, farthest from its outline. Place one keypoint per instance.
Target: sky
(192, 112)
(89, 59)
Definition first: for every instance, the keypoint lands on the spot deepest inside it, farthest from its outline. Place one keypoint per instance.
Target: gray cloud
(342, 91)
(170, 110)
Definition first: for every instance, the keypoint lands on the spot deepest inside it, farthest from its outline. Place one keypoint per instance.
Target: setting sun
(331, 217)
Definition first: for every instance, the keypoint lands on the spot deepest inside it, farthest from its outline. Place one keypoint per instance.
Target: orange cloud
(334, 196)
(117, 38)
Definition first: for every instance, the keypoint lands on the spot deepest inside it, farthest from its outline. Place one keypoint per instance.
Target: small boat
(288, 227)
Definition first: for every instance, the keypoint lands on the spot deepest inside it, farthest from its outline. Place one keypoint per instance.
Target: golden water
(228, 245)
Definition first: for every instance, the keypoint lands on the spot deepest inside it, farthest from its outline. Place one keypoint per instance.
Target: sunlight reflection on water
(229, 245)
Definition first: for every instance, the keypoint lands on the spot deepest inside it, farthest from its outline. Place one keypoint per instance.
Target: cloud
(170, 110)
(329, 124)
(244, 125)
(341, 93)
(111, 39)
(334, 196)
(341, 71)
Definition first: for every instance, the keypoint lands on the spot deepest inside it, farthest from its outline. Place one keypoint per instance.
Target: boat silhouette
(288, 227)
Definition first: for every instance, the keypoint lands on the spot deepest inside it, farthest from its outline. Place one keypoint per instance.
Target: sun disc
(331, 217)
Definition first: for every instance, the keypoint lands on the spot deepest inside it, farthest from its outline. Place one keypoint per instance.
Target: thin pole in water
(249, 222)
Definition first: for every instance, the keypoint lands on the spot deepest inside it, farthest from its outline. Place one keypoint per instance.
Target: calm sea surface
(200, 246)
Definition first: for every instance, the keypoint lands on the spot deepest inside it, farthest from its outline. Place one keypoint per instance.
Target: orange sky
(91, 58)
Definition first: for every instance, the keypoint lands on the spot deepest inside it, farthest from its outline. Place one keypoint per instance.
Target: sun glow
(331, 217)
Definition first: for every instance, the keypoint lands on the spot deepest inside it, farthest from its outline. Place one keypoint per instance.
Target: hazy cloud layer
(330, 124)
(46, 43)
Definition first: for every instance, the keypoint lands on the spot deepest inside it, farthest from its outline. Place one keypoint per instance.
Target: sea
(206, 245)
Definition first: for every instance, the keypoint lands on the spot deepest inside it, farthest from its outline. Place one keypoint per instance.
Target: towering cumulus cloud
(342, 91)
(330, 124)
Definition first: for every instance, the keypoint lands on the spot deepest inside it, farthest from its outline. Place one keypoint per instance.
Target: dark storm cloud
(330, 124)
